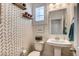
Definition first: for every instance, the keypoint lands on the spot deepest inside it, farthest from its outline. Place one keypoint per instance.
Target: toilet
(38, 46)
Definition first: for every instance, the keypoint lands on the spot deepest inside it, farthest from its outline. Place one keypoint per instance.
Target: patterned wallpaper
(12, 35)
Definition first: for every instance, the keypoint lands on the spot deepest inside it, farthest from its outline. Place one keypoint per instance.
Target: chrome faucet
(57, 38)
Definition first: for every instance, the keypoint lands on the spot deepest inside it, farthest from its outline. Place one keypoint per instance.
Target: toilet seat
(34, 53)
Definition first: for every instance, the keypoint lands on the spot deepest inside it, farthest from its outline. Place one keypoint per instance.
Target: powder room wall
(14, 30)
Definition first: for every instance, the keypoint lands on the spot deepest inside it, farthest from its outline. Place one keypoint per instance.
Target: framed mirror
(57, 22)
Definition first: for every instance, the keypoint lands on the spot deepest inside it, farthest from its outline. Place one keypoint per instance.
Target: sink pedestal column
(57, 51)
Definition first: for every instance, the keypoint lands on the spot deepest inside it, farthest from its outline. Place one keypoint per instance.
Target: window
(39, 14)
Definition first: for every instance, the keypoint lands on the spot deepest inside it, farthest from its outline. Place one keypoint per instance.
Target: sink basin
(59, 43)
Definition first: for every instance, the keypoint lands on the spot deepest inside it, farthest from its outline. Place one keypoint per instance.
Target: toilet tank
(39, 46)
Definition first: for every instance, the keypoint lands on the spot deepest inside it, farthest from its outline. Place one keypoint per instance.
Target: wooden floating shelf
(20, 5)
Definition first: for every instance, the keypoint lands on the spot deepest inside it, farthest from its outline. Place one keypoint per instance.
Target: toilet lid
(34, 53)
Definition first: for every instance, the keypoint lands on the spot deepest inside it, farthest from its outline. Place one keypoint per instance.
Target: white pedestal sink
(58, 44)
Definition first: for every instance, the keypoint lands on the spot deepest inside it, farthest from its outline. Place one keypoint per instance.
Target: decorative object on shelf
(64, 28)
(21, 5)
(38, 38)
(27, 15)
